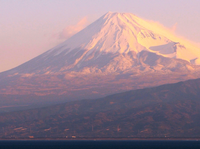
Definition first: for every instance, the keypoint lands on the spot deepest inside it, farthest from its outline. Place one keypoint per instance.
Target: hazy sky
(31, 27)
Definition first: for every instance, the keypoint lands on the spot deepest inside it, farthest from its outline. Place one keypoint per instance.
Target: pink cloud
(174, 27)
(73, 29)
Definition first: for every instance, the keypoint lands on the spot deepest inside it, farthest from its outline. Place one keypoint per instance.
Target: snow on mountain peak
(124, 32)
(116, 42)
(113, 32)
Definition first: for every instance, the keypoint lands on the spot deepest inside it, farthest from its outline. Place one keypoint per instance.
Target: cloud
(170, 34)
(73, 29)
(174, 27)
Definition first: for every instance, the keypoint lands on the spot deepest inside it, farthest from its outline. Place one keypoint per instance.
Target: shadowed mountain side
(171, 110)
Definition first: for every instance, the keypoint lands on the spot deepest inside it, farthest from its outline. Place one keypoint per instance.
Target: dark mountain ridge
(171, 110)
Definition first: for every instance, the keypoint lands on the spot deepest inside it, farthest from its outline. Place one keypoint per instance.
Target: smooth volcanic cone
(113, 43)
(116, 53)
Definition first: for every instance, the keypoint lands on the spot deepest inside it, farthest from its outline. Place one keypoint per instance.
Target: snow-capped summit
(124, 32)
(112, 33)
(114, 43)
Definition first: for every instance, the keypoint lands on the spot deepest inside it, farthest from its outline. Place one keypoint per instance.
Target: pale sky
(31, 27)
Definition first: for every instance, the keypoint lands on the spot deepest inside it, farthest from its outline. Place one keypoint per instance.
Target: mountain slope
(116, 53)
(165, 111)
(113, 43)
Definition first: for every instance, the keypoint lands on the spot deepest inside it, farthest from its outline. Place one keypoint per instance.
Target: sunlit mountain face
(116, 53)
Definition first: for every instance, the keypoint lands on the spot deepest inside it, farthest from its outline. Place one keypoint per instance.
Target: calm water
(100, 144)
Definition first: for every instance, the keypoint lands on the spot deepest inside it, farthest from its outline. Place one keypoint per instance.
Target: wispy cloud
(73, 29)
(174, 27)
(171, 34)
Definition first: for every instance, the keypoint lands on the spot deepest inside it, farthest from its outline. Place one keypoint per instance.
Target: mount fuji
(118, 52)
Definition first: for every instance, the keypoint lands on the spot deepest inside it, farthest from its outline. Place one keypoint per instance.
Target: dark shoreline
(101, 139)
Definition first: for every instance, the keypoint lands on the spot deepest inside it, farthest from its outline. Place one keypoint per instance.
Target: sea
(98, 144)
